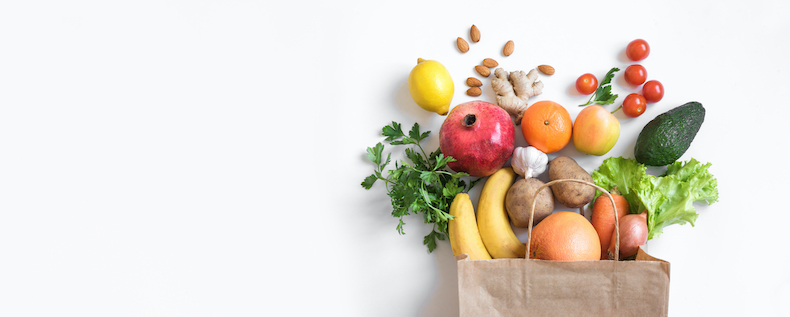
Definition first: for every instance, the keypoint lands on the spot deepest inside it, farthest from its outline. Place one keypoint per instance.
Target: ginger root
(514, 89)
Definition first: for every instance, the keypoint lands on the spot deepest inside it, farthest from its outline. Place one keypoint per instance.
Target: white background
(204, 158)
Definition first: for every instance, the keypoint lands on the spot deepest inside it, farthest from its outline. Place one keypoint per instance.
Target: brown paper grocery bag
(527, 287)
(530, 287)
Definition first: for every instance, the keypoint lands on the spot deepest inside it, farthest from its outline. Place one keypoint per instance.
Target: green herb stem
(603, 95)
(420, 187)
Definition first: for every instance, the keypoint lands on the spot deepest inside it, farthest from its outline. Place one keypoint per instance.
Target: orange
(565, 236)
(547, 126)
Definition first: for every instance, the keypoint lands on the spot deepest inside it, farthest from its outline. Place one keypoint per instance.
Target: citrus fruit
(431, 86)
(565, 236)
(547, 126)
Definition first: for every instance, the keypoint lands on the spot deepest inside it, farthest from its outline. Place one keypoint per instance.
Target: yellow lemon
(431, 86)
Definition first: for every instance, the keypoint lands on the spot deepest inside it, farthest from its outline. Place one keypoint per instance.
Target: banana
(492, 219)
(464, 236)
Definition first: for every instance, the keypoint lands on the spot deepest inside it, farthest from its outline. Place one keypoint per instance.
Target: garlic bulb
(529, 161)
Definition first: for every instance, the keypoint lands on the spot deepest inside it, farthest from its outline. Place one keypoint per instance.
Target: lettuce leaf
(621, 173)
(702, 181)
(669, 198)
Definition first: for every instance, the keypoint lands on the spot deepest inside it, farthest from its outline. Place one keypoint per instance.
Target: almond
(462, 45)
(474, 34)
(473, 82)
(474, 91)
(490, 63)
(546, 69)
(509, 47)
(482, 70)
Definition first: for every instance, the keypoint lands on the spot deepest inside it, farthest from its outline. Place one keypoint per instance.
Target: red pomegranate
(479, 135)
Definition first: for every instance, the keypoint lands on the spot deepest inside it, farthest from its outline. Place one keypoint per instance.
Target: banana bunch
(490, 236)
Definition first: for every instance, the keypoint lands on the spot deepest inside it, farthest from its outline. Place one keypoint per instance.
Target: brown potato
(572, 195)
(519, 200)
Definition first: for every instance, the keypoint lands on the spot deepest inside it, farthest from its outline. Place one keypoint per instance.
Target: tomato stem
(618, 108)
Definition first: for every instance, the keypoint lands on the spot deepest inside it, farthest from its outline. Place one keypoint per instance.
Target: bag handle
(614, 208)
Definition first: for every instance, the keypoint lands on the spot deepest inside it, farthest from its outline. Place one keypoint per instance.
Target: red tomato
(587, 84)
(637, 50)
(635, 74)
(653, 91)
(634, 105)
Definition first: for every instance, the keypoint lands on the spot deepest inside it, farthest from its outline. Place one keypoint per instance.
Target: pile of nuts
(484, 69)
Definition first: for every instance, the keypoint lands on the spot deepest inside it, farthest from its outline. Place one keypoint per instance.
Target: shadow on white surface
(622, 57)
(444, 301)
(629, 151)
(573, 92)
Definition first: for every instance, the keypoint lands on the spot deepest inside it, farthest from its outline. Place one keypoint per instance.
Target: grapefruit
(565, 236)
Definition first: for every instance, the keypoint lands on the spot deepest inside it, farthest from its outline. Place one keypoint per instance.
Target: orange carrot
(603, 219)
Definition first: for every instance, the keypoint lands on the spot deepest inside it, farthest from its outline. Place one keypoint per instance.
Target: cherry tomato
(653, 91)
(637, 50)
(587, 84)
(635, 74)
(634, 105)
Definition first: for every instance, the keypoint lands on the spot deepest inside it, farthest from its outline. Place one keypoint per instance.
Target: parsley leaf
(415, 133)
(441, 161)
(400, 226)
(421, 186)
(392, 132)
(429, 177)
(368, 183)
(473, 183)
(430, 239)
(609, 76)
(374, 153)
(381, 167)
(603, 95)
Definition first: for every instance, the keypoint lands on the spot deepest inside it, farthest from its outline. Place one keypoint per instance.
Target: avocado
(664, 139)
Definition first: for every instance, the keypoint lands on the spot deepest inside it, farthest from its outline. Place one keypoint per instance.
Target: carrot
(603, 219)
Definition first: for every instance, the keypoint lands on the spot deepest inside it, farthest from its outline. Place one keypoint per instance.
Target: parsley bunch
(422, 187)
(603, 95)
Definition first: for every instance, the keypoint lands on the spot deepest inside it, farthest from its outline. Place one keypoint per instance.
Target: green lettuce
(669, 198)
(622, 173)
